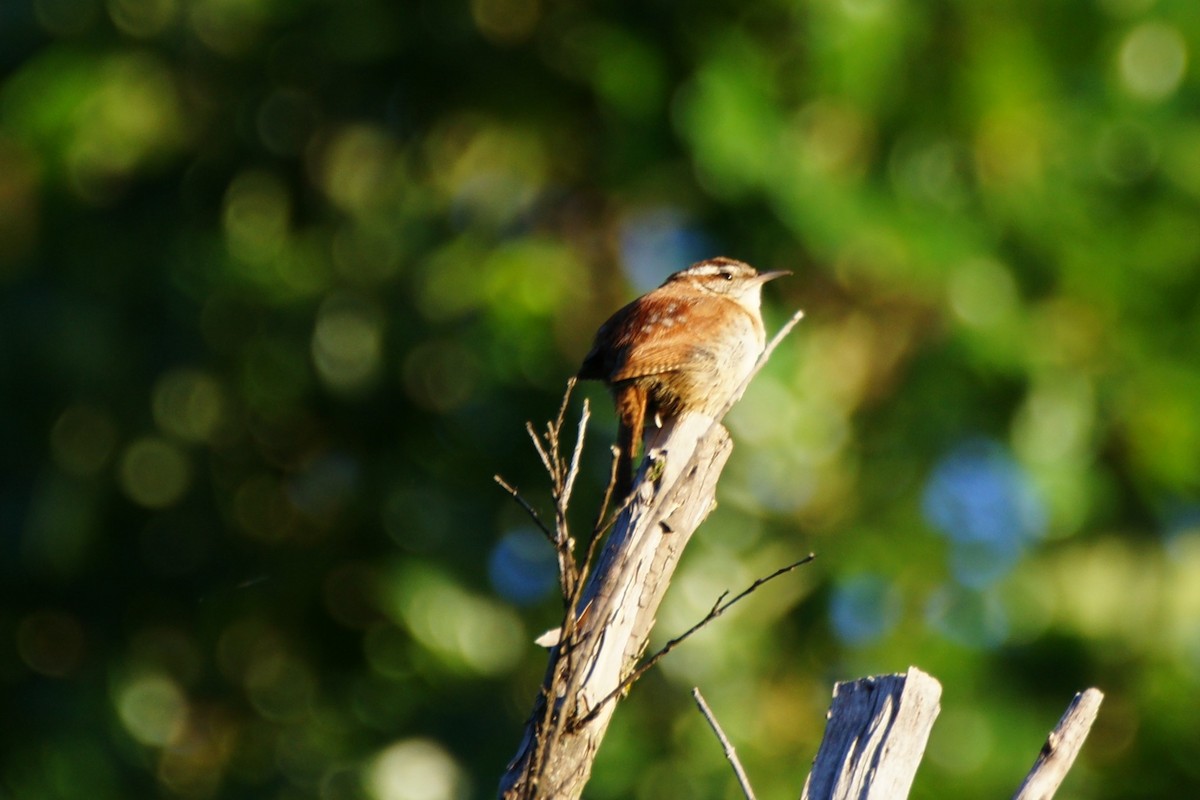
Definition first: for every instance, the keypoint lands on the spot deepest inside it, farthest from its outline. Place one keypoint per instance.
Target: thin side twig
(562, 481)
(563, 484)
(719, 608)
(576, 455)
(543, 454)
(562, 407)
(574, 613)
(730, 753)
(598, 526)
(523, 503)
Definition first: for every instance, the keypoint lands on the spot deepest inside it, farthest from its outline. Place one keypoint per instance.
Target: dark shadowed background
(281, 281)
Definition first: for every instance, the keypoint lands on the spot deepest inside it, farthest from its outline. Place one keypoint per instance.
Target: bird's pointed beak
(763, 277)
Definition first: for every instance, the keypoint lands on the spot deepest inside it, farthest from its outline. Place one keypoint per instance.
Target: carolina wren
(686, 346)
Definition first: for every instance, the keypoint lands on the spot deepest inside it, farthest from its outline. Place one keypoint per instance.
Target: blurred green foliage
(282, 281)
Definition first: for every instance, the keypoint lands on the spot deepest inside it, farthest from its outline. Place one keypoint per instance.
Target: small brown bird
(686, 346)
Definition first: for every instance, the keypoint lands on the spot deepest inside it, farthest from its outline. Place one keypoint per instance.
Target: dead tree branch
(875, 738)
(878, 728)
(1061, 747)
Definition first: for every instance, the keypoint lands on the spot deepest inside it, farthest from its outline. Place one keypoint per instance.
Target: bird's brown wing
(608, 348)
(643, 353)
(645, 360)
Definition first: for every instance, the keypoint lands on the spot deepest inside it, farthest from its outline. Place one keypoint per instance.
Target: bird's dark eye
(727, 275)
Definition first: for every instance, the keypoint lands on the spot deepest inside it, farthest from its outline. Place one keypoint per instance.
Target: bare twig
(530, 510)
(599, 526)
(730, 753)
(555, 431)
(573, 470)
(562, 408)
(549, 450)
(543, 454)
(719, 608)
(574, 612)
(562, 481)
